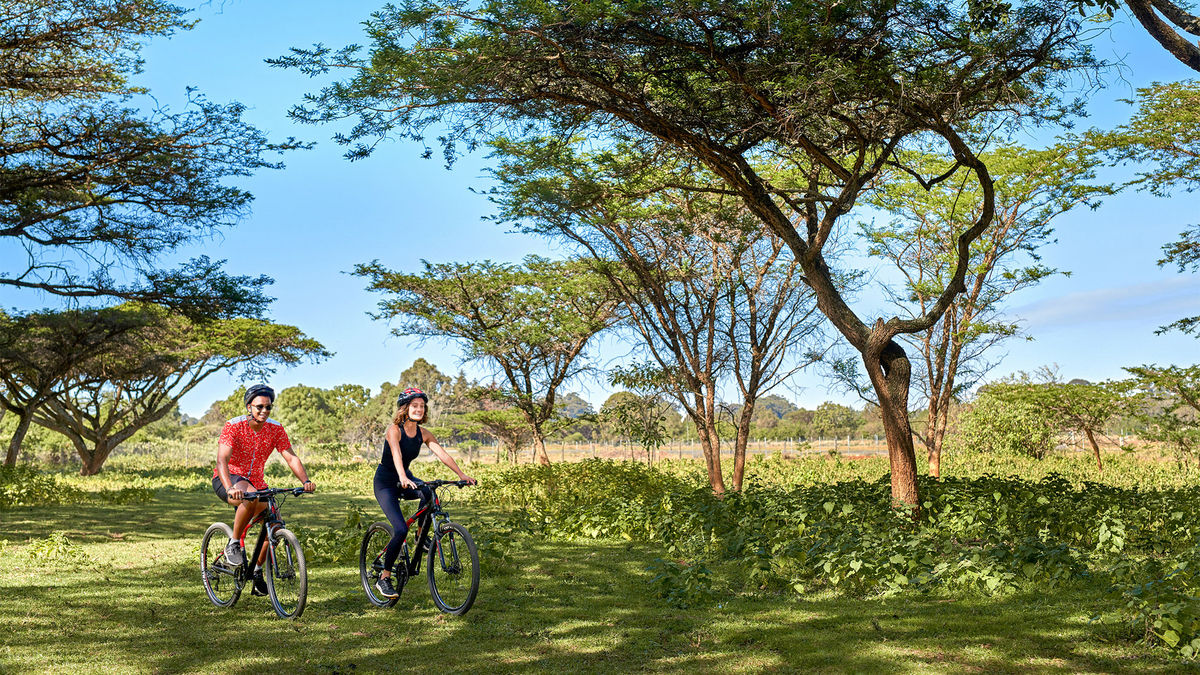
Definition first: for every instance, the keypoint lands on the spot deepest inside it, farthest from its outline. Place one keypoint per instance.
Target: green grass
(129, 599)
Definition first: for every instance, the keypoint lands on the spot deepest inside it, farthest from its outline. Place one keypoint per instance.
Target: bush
(22, 485)
(1005, 427)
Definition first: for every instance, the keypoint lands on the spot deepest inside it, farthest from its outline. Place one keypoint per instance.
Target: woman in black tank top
(394, 479)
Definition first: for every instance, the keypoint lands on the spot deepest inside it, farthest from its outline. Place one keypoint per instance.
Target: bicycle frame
(425, 516)
(271, 521)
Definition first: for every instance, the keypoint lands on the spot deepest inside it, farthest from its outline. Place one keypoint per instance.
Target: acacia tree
(1078, 406)
(1172, 404)
(1163, 139)
(531, 322)
(89, 183)
(828, 91)
(41, 351)
(141, 375)
(710, 295)
(1032, 188)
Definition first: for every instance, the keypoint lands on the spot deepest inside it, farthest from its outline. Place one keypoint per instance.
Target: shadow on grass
(580, 607)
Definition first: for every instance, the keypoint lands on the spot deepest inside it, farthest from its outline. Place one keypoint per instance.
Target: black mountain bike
(284, 570)
(453, 559)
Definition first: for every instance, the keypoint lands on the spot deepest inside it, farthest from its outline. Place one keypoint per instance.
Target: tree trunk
(889, 373)
(539, 448)
(739, 446)
(14, 444)
(935, 433)
(711, 441)
(715, 478)
(1095, 447)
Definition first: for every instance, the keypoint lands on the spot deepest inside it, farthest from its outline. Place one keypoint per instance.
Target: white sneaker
(233, 553)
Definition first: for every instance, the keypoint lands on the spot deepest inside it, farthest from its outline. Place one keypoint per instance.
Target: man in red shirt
(246, 444)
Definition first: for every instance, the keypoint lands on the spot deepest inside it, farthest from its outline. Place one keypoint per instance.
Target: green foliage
(994, 424)
(58, 551)
(334, 545)
(834, 419)
(978, 536)
(531, 321)
(1170, 406)
(682, 584)
(1166, 609)
(23, 485)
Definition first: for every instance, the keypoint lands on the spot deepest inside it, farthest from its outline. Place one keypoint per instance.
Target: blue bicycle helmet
(256, 390)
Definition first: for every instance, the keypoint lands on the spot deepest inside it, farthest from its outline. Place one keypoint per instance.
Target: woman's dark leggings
(389, 493)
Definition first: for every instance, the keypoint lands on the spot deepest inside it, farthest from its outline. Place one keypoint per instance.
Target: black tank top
(410, 447)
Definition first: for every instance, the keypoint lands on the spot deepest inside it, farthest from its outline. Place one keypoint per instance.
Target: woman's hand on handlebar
(309, 486)
(406, 483)
(466, 479)
(236, 494)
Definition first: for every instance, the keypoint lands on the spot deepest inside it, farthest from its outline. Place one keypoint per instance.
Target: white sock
(257, 569)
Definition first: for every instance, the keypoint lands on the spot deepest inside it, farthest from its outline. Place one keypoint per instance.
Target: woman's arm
(393, 440)
(297, 467)
(441, 454)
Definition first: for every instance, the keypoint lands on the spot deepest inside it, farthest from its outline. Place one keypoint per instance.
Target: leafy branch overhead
(91, 182)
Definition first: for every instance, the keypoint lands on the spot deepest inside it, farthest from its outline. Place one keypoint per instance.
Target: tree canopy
(96, 190)
(531, 322)
(825, 94)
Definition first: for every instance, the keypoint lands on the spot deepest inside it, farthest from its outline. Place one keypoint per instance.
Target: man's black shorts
(219, 487)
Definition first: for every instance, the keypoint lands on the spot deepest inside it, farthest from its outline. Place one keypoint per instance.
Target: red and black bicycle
(284, 570)
(452, 559)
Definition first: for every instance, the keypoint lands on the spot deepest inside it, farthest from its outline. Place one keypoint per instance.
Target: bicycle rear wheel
(453, 569)
(370, 563)
(220, 577)
(286, 575)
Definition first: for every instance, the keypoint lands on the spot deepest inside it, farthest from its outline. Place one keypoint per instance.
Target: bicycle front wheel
(370, 563)
(220, 577)
(286, 575)
(453, 569)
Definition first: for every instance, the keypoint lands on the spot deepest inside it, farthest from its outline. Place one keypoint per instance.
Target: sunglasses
(263, 407)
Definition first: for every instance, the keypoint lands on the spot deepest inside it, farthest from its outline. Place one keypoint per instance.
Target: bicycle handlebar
(271, 492)
(439, 483)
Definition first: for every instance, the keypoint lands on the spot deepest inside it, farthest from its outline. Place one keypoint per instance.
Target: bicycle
(284, 571)
(453, 576)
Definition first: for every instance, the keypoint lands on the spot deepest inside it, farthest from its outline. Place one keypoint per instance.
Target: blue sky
(314, 220)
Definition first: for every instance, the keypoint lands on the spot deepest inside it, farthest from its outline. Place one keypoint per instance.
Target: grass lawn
(135, 604)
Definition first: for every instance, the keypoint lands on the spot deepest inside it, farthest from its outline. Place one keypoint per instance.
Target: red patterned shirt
(251, 448)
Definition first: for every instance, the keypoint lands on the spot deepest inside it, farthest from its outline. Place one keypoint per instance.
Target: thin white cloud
(1151, 304)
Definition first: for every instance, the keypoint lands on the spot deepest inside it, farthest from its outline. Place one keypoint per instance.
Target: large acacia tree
(90, 182)
(532, 322)
(40, 352)
(139, 376)
(824, 92)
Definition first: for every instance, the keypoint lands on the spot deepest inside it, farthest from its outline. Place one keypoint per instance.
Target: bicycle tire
(370, 563)
(287, 575)
(452, 585)
(221, 580)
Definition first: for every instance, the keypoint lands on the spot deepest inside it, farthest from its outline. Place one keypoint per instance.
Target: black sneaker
(385, 588)
(260, 584)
